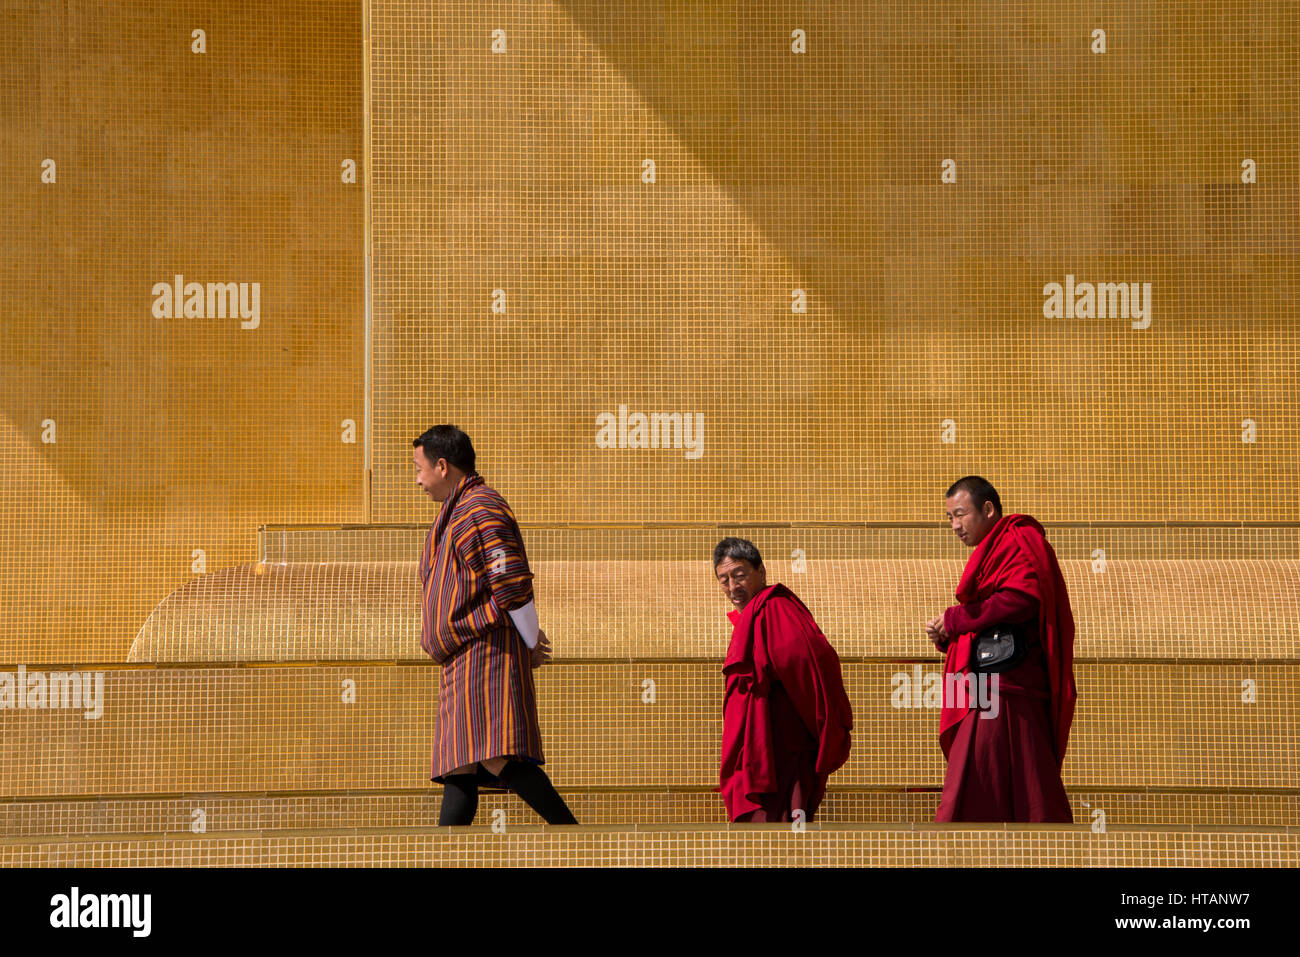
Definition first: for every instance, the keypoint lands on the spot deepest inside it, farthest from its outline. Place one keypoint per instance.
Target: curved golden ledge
(1137, 608)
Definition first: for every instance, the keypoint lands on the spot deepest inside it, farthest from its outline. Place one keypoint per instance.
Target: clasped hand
(540, 653)
(935, 631)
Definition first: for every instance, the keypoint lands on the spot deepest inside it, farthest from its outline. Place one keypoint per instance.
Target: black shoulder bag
(999, 649)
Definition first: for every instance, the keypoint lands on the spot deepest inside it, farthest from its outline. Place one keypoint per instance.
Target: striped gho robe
(473, 571)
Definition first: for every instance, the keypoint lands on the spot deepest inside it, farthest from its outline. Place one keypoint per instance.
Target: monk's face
(740, 580)
(969, 523)
(435, 478)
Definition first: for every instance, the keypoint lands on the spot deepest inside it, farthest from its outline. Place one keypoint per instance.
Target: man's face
(740, 580)
(432, 477)
(968, 523)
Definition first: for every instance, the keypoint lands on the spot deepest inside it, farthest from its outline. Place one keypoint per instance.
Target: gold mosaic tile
(1130, 608)
(211, 814)
(761, 845)
(825, 264)
(370, 725)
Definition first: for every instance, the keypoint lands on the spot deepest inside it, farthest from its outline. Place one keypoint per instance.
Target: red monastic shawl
(775, 624)
(998, 562)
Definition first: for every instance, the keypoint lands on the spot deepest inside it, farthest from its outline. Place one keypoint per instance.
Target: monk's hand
(540, 653)
(934, 631)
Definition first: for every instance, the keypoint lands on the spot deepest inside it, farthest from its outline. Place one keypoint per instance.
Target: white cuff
(526, 621)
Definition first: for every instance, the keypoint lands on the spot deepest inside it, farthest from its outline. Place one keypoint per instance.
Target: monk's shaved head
(981, 490)
(973, 508)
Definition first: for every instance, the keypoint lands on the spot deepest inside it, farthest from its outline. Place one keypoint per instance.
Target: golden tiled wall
(509, 143)
(822, 235)
(532, 273)
(140, 451)
(599, 598)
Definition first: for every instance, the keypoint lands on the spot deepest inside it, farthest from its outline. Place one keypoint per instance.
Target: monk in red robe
(785, 716)
(1004, 761)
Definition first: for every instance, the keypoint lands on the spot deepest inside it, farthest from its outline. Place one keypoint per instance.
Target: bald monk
(1004, 761)
(785, 716)
(480, 624)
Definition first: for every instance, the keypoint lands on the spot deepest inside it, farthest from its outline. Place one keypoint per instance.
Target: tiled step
(641, 592)
(366, 725)
(212, 813)
(818, 844)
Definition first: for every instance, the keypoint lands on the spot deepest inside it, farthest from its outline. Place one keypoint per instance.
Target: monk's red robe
(1008, 767)
(785, 716)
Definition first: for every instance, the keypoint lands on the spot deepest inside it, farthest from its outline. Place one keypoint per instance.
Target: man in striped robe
(480, 624)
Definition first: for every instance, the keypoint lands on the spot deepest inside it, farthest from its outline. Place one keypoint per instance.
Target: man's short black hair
(980, 492)
(450, 443)
(740, 549)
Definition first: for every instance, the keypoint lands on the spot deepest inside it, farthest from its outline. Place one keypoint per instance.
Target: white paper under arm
(526, 621)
